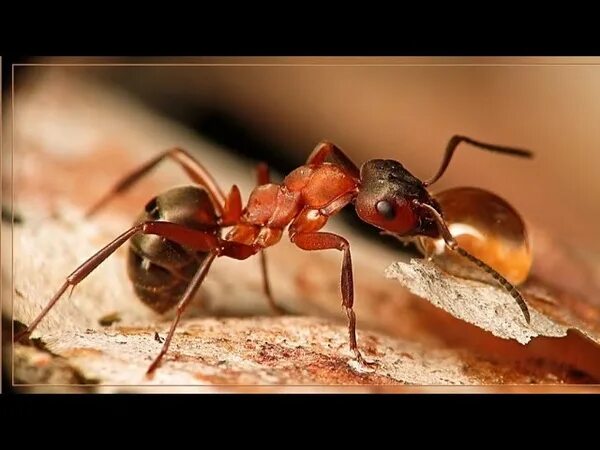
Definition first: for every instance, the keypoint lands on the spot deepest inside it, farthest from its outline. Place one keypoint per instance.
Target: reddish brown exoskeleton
(178, 236)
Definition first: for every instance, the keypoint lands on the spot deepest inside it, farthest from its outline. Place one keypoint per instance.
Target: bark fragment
(487, 306)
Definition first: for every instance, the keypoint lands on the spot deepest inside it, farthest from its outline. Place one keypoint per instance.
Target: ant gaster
(178, 236)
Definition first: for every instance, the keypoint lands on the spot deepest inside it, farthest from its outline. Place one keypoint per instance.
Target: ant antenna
(453, 245)
(456, 140)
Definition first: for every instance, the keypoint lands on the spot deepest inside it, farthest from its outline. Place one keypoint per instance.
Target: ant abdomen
(488, 228)
(159, 269)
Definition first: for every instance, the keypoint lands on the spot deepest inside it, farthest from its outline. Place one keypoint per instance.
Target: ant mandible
(179, 234)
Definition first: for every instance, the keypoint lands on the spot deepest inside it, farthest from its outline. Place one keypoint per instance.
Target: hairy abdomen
(159, 269)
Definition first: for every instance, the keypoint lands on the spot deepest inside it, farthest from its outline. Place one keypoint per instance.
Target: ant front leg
(188, 163)
(325, 241)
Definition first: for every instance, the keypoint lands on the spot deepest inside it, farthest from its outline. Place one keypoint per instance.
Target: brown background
(407, 109)
(405, 112)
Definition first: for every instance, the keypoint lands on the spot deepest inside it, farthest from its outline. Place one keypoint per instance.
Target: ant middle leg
(263, 177)
(267, 286)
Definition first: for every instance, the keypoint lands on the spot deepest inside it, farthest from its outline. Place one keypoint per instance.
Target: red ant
(178, 236)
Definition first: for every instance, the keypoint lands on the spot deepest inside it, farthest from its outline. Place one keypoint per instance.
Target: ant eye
(385, 209)
(152, 209)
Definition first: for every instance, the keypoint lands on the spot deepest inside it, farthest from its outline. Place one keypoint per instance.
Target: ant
(179, 234)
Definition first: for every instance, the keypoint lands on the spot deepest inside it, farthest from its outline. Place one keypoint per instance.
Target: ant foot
(151, 371)
(149, 376)
(21, 335)
(278, 310)
(362, 361)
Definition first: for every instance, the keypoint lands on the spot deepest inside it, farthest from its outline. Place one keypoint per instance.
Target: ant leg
(192, 167)
(453, 245)
(262, 174)
(267, 286)
(232, 211)
(325, 241)
(263, 177)
(325, 149)
(183, 303)
(79, 275)
(195, 239)
(232, 249)
(456, 140)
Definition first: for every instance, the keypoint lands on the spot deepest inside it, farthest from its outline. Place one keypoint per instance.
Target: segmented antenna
(507, 285)
(453, 245)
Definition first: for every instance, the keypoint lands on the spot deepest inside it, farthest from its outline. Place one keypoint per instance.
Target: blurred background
(277, 109)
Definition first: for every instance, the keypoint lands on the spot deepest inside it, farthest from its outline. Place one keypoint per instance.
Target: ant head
(386, 199)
